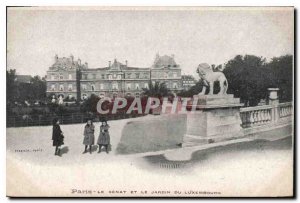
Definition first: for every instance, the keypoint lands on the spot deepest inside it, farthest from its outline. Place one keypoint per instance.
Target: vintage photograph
(150, 102)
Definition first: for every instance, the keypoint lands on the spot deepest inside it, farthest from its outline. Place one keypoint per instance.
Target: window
(61, 87)
(175, 75)
(84, 86)
(70, 77)
(165, 75)
(146, 86)
(115, 75)
(110, 77)
(70, 87)
(94, 76)
(128, 85)
(175, 85)
(61, 77)
(115, 86)
(84, 76)
(119, 77)
(103, 76)
(137, 86)
(128, 75)
(137, 75)
(52, 87)
(52, 77)
(101, 86)
(137, 95)
(93, 87)
(145, 75)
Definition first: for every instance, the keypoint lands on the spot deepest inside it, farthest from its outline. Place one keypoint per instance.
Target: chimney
(109, 63)
(86, 65)
(79, 61)
(55, 58)
(126, 62)
(72, 58)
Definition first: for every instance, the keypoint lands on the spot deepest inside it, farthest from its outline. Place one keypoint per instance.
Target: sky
(98, 35)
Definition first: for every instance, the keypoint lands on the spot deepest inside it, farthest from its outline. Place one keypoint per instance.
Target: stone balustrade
(262, 115)
(285, 109)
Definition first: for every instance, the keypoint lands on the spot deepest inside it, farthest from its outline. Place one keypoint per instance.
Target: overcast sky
(96, 36)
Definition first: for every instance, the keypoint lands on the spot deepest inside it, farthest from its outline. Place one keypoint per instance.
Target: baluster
(243, 119)
(251, 119)
(248, 119)
(255, 117)
(269, 115)
(264, 116)
(259, 112)
(286, 112)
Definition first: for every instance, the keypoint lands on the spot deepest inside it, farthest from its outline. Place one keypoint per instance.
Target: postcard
(150, 102)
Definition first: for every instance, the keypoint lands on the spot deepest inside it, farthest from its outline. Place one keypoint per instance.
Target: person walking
(104, 138)
(57, 137)
(89, 138)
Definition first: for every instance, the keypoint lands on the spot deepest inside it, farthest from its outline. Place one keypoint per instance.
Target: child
(57, 137)
(104, 138)
(89, 138)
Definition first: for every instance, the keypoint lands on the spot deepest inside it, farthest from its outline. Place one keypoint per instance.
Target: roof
(116, 65)
(66, 63)
(23, 78)
(164, 61)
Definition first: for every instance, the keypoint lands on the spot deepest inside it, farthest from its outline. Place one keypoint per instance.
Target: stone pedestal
(273, 96)
(213, 118)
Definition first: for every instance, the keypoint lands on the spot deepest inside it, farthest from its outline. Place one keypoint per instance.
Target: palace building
(69, 78)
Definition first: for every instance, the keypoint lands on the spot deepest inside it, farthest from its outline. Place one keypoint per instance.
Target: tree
(156, 90)
(194, 90)
(11, 88)
(247, 78)
(38, 88)
(282, 76)
(90, 104)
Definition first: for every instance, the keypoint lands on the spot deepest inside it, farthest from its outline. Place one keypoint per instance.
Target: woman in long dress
(104, 138)
(89, 138)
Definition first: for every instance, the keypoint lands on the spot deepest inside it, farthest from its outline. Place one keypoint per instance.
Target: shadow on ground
(203, 155)
(64, 150)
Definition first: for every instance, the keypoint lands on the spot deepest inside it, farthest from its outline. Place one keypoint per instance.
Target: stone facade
(70, 78)
(188, 81)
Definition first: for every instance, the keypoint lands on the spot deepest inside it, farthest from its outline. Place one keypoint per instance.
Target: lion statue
(207, 75)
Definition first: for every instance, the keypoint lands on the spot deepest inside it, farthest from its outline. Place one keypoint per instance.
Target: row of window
(137, 94)
(165, 75)
(61, 87)
(115, 86)
(60, 77)
(117, 76)
(188, 81)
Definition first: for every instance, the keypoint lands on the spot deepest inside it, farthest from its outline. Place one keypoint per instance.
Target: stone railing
(262, 115)
(285, 109)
